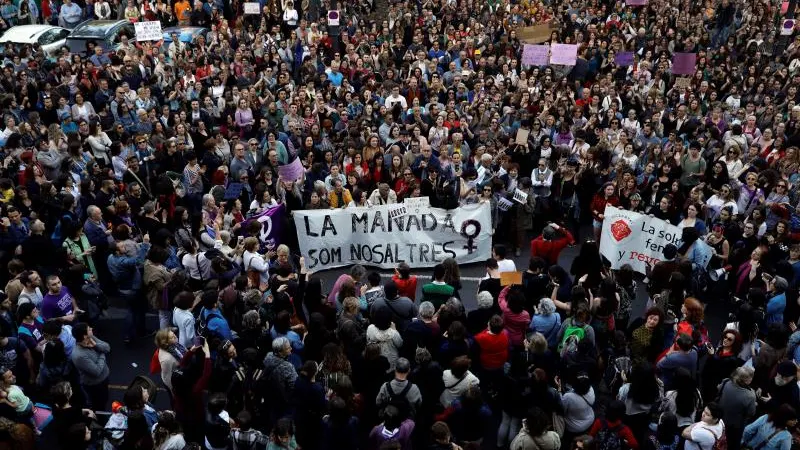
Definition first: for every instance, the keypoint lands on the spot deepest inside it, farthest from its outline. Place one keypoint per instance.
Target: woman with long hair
(721, 362)
(641, 391)
(167, 433)
(452, 275)
(684, 400)
(605, 197)
(587, 267)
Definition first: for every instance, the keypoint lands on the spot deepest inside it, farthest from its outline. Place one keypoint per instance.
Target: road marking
(473, 279)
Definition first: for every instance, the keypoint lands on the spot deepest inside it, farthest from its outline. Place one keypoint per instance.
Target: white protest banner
(148, 31)
(342, 237)
(632, 238)
(252, 8)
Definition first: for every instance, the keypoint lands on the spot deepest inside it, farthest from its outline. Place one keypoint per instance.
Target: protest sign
(535, 55)
(682, 82)
(292, 171)
(417, 205)
(684, 63)
(520, 196)
(522, 136)
(510, 278)
(504, 204)
(564, 54)
(788, 27)
(333, 18)
(624, 59)
(252, 8)
(635, 2)
(271, 225)
(535, 34)
(397, 210)
(636, 239)
(342, 237)
(148, 31)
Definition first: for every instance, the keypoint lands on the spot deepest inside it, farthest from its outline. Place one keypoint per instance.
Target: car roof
(25, 34)
(96, 28)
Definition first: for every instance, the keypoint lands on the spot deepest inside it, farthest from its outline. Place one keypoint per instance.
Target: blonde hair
(250, 243)
(162, 337)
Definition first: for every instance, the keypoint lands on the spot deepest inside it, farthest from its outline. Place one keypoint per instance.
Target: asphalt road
(126, 362)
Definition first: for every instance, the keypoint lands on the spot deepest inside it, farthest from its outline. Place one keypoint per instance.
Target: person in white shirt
(542, 179)
(503, 264)
(253, 261)
(394, 98)
(290, 16)
(102, 10)
(704, 434)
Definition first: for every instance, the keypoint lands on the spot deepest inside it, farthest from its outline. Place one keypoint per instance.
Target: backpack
(57, 237)
(572, 335)
(721, 441)
(251, 394)
(608, 438)
(399, 399)
(201, 328)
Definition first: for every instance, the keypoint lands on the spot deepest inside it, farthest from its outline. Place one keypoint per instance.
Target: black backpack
(399, 399)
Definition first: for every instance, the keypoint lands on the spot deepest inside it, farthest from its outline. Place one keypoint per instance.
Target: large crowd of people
(129, 174)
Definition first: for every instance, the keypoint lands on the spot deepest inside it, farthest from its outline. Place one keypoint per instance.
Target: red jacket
(406, 288)
(624, 431)
(494, 349)
(599, 203)
(549, 250)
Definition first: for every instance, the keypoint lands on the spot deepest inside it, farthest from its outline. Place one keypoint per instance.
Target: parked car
(105, 33)
(51, 39)
(185, 34)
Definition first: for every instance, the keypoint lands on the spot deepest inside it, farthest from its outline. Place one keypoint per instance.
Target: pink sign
(564, 54)
(635, 2)
(292, 171)
(684, 63)
(535, 55)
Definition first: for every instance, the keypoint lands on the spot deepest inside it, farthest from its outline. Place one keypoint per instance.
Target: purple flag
(271, 225)
(624, 59)
(684, 63)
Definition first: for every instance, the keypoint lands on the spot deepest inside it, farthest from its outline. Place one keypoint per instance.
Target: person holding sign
(605, 196)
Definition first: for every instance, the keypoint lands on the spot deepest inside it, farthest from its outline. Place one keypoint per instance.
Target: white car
(51, 38)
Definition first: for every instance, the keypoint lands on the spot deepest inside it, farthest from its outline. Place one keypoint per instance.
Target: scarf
(177, 351)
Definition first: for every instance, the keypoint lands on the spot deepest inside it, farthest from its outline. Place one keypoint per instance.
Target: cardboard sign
(252, 8)
(520, 196)
(148, 31)
(535, 34)
(510, 278)
(684, 63)
(682, 83)
(564, 54)
(522, 136)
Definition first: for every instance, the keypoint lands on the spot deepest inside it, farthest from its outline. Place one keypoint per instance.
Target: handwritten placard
(520, 196)
(624, 59)
(148, 31)
(292, 171)
(682, 83)
(417, 204)
(252, 8)
(535, 55)
(398, 210)
(684, 63)
(564, 54)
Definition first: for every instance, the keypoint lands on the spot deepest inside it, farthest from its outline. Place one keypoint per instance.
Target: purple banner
(292, 171)
(271, 220)
(624, 59)
(684, 63)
